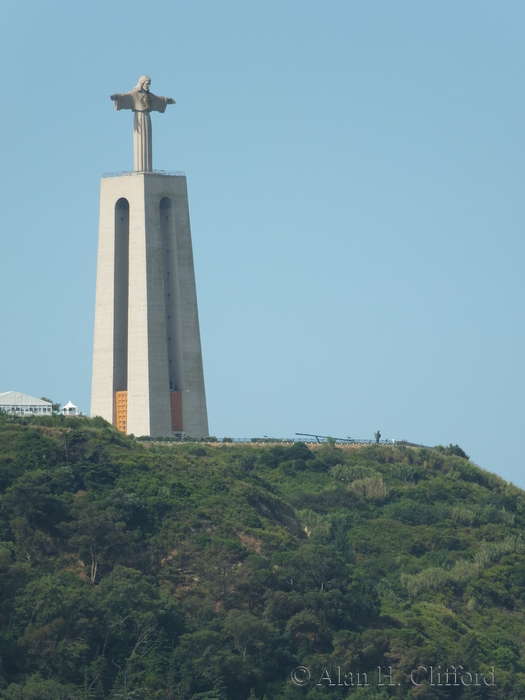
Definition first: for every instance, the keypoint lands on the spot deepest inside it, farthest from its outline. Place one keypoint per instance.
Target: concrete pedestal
(147, 339)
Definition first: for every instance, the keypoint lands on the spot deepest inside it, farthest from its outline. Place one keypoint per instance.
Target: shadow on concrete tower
(147, 362)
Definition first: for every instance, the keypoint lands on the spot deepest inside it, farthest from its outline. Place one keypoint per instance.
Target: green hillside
(151, 571)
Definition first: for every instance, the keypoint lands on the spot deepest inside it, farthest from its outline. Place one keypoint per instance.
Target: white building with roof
(19, 404)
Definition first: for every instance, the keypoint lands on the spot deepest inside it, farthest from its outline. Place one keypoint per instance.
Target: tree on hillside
(248, 631)
(55, 406)
(95, 530)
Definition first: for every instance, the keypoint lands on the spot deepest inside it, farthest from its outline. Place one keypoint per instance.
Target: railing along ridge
(280, 441)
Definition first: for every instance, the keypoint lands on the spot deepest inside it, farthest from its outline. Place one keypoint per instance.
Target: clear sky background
(356, 176)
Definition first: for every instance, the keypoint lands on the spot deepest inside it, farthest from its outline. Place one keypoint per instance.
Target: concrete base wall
(163, 338)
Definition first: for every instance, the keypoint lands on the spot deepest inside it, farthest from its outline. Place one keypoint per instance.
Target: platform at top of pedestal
(167, 173)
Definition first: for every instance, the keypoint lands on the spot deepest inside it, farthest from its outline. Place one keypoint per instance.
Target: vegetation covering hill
(215, 571)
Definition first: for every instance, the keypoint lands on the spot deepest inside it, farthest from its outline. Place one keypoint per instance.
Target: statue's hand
(170, 101)
(113, 97)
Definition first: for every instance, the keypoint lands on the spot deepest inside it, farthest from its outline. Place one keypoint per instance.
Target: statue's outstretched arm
(124, 101)
(158, 104)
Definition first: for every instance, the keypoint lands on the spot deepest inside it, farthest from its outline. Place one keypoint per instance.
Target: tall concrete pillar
(147, 339)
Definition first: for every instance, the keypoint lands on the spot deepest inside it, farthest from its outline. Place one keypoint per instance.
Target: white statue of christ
(141, 101)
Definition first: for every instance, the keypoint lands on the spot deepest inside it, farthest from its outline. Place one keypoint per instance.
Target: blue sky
(355, 172)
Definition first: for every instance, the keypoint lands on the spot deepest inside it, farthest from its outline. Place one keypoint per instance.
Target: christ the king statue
(141, 101)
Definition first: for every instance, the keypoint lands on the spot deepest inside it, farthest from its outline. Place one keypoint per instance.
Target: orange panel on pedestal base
(121, 411)
(176, 411)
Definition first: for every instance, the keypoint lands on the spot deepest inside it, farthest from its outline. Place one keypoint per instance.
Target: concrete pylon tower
(147, 362)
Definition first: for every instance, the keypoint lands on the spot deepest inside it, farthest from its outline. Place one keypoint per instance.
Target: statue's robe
(141, 103)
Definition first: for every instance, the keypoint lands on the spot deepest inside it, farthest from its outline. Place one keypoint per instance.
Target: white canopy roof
(69, 406)
(16, 398)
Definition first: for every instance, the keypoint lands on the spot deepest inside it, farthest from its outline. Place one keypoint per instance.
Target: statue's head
(143, 84)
